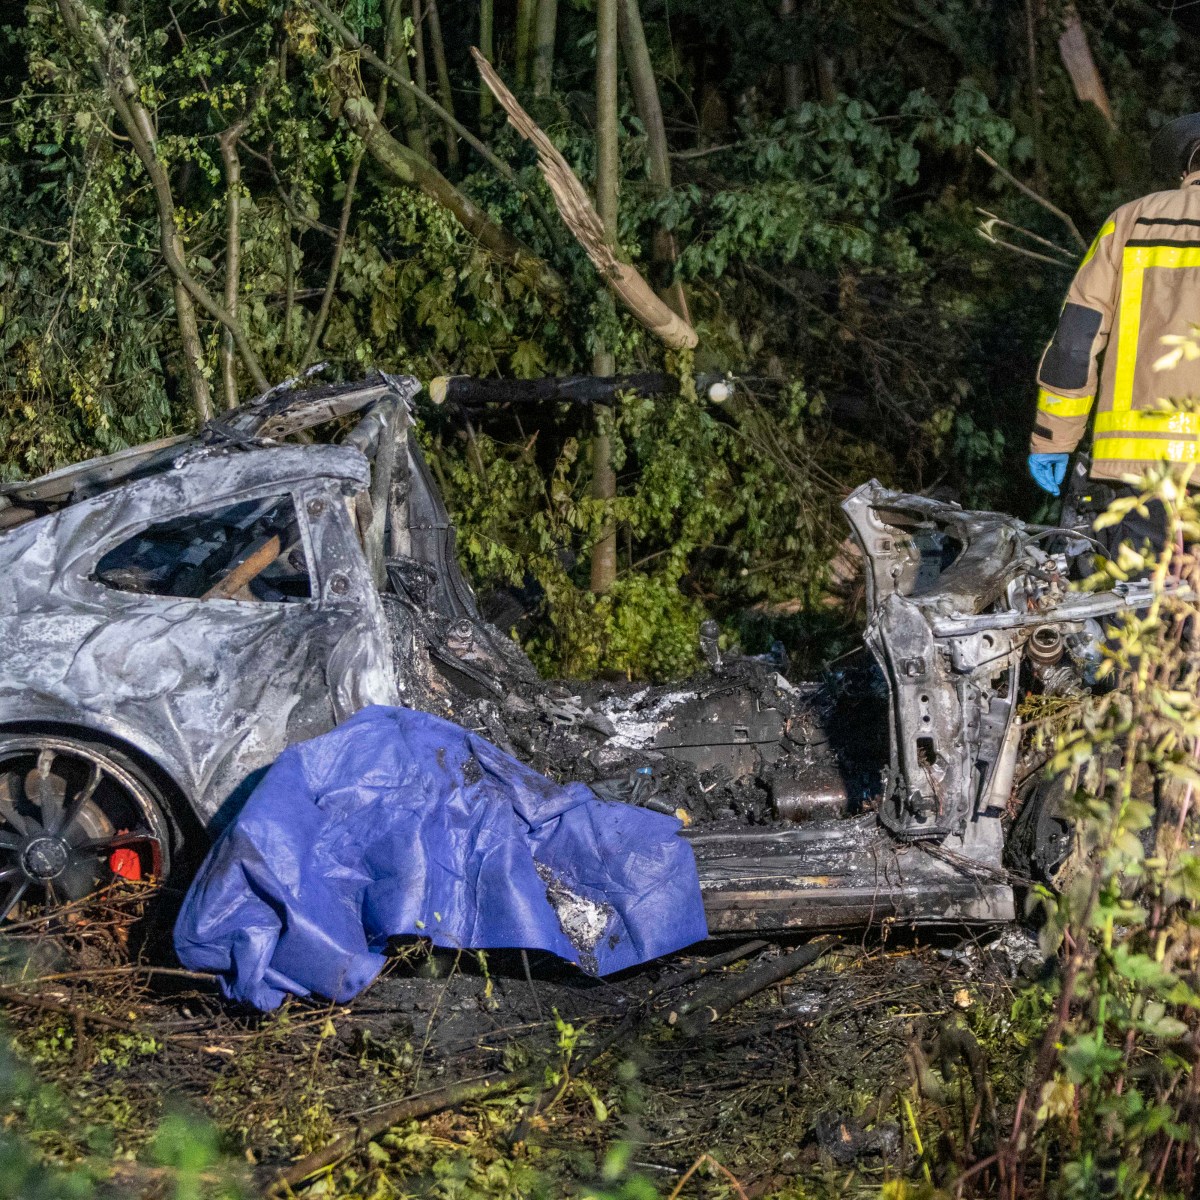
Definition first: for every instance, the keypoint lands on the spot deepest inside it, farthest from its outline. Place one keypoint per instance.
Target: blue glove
(1048, 471)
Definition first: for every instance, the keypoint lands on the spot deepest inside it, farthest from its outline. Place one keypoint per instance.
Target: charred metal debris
(174, 615)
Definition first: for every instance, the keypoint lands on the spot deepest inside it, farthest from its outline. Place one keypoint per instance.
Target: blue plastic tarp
(398, 822)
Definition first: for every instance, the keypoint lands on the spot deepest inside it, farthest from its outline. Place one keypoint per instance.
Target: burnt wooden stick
(249, 569)
(710, 1008)
(705, 967)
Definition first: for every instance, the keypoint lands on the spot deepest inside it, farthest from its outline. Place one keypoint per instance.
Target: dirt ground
(894, 1056)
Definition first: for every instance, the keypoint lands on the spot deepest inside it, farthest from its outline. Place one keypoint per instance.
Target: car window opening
(247, 551)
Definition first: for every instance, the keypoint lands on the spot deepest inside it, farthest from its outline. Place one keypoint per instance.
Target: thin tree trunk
(125, 96)
(339, 243)
(608, 164)
(289, 280)
(826, 78)
(486, 48)
(793, 89)
(438, 47)
(524, 39)
(322, 317)
(544, 32)
(418, 20)
(395, 52)
(649, 109)
(604, 481)
(233, 257)
(1035, 94)
(193, 352)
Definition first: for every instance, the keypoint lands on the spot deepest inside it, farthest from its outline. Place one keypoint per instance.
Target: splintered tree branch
(112, 68)
(584, 222)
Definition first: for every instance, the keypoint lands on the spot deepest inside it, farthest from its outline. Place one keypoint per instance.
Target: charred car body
(171, 617)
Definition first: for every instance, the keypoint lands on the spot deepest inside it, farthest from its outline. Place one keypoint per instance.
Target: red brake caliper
(125, 859)
(126, 862)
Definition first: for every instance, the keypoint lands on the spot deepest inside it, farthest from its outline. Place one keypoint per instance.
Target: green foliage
(186, 1147)
(718, 508)
(1118, 1104)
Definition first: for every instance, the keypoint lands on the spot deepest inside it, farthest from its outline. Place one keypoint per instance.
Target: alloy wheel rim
(66, 811)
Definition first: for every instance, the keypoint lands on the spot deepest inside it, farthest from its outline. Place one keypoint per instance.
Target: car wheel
(74, 816)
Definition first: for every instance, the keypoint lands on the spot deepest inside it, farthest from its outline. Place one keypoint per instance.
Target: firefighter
(1139, 281)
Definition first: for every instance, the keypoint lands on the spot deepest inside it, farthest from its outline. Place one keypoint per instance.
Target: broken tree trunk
(583, 221)
(470, 392)
(1077, 57)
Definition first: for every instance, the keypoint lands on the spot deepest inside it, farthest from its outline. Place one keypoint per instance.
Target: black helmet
(1172, 146)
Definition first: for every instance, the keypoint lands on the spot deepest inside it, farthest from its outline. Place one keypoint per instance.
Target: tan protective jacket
(1139, 281)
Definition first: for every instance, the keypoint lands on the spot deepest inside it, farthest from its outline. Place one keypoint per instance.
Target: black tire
(75, 815)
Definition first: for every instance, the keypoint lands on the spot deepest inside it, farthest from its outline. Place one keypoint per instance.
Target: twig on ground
(408, 1109)
(707, 1158)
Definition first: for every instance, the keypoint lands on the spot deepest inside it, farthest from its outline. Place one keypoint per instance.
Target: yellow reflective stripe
(1054, 405)
(1105, 229)
(1132, 449)
(1134, 263)
(1137, 420)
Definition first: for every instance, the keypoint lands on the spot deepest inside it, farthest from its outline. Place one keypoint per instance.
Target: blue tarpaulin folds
(399, 822)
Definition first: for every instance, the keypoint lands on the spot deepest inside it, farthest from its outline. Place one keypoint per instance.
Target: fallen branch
(707, 1158)
(632, 1020)
(713, 1006)
(346, 37)
(414, 1107)
(990, 221)
(1036, 197)
(23, 1000)
(408, 167)
(409, 1109)
(470, 392)
(584, 222)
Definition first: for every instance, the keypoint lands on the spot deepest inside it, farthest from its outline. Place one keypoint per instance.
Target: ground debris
(757, 1090)
(846, 1139)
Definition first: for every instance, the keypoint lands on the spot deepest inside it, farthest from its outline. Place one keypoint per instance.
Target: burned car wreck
(175, 615)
